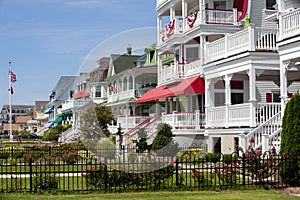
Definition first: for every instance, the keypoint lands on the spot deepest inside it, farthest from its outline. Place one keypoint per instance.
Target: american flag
(112, 88)
(13, 77)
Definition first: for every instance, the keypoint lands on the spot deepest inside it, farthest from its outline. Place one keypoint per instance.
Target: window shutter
(269, 97)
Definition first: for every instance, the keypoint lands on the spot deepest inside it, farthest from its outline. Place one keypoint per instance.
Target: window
(220, 4)
(177, 55)
(270, 4)
(237, 98)
(272, 97)
(191, 54)
(217, 144)
(98, 91)
(219, 98)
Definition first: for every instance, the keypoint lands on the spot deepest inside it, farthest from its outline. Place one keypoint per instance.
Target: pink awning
(154, 94)
(80, 94)
(193, 85)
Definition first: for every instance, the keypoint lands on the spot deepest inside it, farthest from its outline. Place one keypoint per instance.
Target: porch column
(171, 104)
(177, 104)
(208, 99)
(188, 103)
(252, 96)
(284, 65)
(172, 13)
(157, 108)
(159, 69)
(202, 43)
(166, 105)
(126, 115)
(201, 13)
(227, 79)
(159, 29)
(128, 83)
(184, 13)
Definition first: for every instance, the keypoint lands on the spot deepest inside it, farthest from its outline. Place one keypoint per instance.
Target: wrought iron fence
(36, 170)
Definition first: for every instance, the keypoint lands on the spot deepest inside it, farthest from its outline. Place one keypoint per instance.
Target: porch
(289, 24)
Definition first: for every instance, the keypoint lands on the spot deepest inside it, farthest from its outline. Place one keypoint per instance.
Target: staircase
(69, 135)
(266, 136)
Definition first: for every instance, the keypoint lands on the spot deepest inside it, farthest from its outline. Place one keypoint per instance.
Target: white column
(159, 29)
(202, 13)
(159, 70)
(252, 96)
(251, 37)
(265, 143)
(283, 84)
(208, 93)
(202, 52)
(172, 13)
(227, 79)
(184, 13)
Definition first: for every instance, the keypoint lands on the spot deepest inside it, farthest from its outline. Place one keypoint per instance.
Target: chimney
(129, 48)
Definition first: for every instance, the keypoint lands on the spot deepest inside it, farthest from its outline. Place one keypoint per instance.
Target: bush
(213, 157)
(45, 182)
(4, 155)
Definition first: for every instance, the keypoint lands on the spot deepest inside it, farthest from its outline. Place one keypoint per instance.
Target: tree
(163, 142)
(290, 140)
(104, 117)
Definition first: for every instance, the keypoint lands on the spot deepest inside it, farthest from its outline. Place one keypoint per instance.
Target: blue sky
(45, 39)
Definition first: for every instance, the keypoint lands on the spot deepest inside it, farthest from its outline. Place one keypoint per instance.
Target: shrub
(213, 157)
(45, 182)
(70, 157)
(4, 155)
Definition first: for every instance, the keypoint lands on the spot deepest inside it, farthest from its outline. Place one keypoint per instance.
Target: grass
(207, 195)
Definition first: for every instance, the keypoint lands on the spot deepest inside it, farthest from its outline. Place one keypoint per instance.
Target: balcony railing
(129, 122)
(177, 71)
(219, 16)
(250, 39)
(171, 72)
(185, 120)
(120, 96)
(290, 24)
(208, 15)
(141, 91)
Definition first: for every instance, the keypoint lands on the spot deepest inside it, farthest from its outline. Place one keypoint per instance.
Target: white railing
(265, 111)
(215, 16)
(129, 122)
(266, 39)
(185, 120)
(81, 102)
(193, 68)
(239, 115)
(171, 72)
(228, 116)
(120, 96)
(250, 39)
(290, 24)
(68, 104)
(255, 137)
(141, 91)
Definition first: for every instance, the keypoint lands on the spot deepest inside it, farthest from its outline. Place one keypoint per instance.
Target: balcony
(175, 71)
(74, 103)
(239, 115)
(120, 96)
(251, 39)
(141, 91)
(181, 26)
(290, 24)
(129, 122)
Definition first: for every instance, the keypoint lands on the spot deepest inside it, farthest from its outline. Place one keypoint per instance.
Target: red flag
(11, 90)
(13, 77)
(112, 88)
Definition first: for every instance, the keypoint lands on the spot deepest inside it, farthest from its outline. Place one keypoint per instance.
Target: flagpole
(10, 106)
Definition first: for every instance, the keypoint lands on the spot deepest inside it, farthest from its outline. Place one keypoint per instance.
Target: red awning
(157, 93)
(80, 94)
(193, 85)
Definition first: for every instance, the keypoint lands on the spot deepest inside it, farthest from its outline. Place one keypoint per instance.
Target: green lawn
(206, 195)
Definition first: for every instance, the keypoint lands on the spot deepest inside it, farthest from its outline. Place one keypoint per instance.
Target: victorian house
(232, 73)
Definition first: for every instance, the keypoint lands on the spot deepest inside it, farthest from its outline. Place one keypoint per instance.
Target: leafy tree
(104, 117)
(290, 140)
(164, 141)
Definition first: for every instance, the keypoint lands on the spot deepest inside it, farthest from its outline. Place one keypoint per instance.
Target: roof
(63, 83)
(15, 127)
(123, 62)
(22, 119)
(40, 105)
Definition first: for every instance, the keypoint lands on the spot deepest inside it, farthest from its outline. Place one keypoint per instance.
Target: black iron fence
(68, 169)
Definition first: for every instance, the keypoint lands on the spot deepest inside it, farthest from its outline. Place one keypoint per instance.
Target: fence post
(177, 173)
(244, 169)
(30, 174)
(105, 176)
